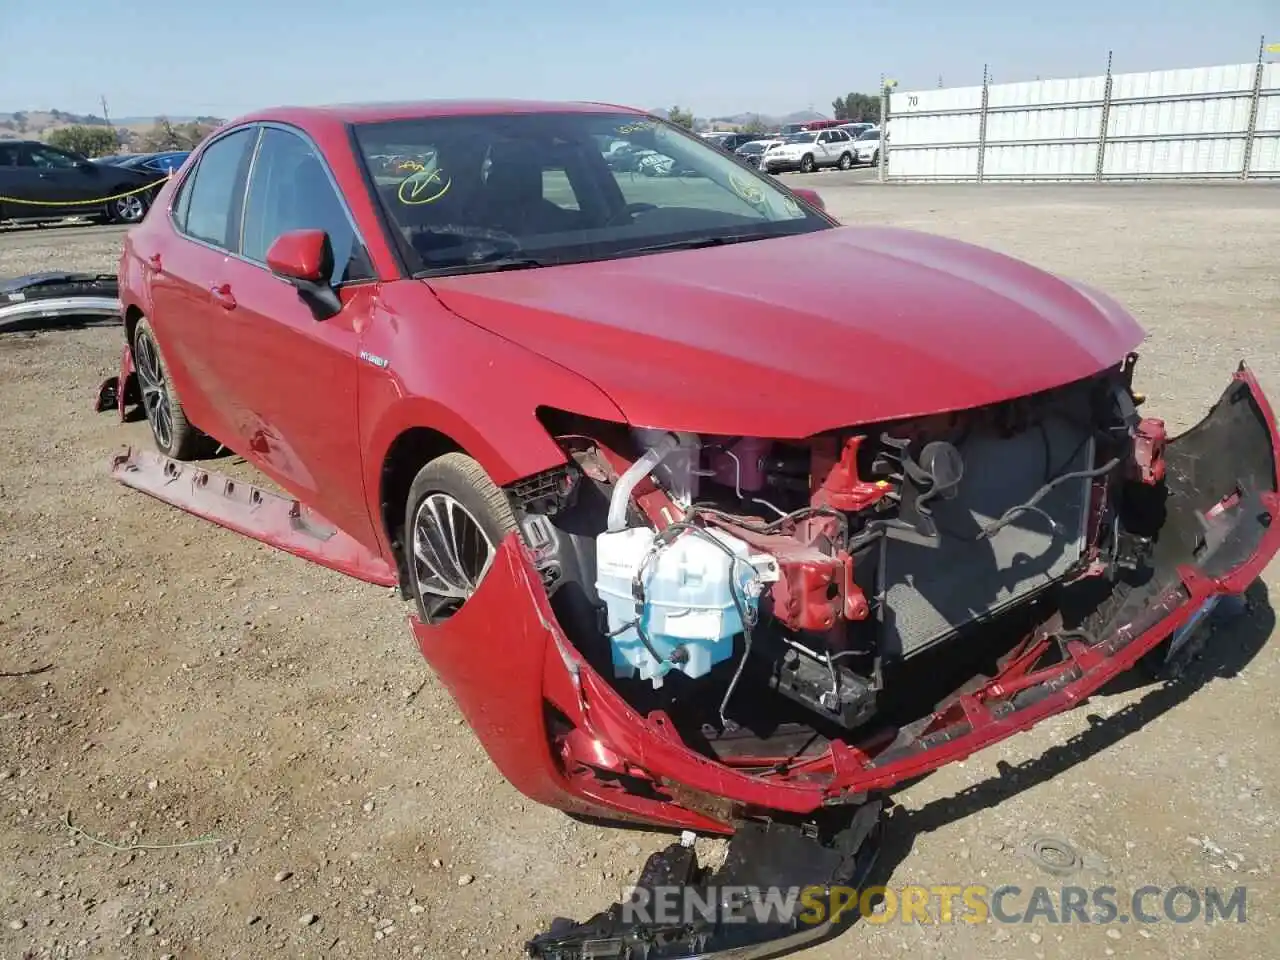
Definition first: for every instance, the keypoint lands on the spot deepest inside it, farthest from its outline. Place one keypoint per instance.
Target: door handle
(222, 296)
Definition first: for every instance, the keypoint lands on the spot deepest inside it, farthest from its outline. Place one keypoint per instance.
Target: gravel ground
(276, 719)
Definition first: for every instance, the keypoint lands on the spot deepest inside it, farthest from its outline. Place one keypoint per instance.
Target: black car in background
(751, 151)
(40, 182)
(730, 142)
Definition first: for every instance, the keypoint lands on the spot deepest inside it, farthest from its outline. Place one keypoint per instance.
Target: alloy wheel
(154, 388)
(129, 209)
(451, 555)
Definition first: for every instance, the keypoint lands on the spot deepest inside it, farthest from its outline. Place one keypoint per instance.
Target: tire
(846, 161)
(174, 434)
(128, 210)
(806, 163)
(456, 487)
(875, 159)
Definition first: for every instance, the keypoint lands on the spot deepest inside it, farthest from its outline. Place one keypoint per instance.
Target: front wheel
(846, 161)
(455, 518)
(875, 159)
(806, 164)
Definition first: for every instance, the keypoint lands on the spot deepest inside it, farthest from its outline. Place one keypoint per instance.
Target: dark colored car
(730, 142)
(161, 164)
(691, 542)
(40, 182)
(753, 150)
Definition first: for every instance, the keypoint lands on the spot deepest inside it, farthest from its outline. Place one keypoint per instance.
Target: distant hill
(38, 124)
(729, 121)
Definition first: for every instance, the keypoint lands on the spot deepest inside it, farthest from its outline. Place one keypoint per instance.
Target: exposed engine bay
(729, 578)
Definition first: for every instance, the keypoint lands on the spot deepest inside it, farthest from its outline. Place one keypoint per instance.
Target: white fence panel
(1265, 160)
(1200, 122)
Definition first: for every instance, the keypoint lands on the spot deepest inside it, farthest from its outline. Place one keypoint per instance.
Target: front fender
(422, 366)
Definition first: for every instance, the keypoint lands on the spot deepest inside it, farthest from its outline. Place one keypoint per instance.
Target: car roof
(420, 109)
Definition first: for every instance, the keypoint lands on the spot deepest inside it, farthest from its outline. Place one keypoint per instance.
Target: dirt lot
(202, 686)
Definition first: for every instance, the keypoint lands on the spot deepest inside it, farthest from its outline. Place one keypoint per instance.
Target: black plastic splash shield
(767, 862)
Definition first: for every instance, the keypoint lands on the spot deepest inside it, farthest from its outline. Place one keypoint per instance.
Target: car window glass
(290, 190)
(8, 155)
(182, 203)
(213, 189)
(47, 159)
(562, 187)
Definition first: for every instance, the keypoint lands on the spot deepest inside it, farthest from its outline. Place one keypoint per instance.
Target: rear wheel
(174, 434)
(130, 209)
(455, 519)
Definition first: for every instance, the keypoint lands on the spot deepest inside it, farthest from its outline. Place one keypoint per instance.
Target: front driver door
(295, 376)
(68, 183)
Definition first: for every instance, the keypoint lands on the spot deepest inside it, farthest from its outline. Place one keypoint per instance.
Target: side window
(290, 190)
(46, 158)
(8, 156)
(207, 207)
(557, 188)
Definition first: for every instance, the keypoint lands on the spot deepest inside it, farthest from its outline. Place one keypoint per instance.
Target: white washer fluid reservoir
(688, 599)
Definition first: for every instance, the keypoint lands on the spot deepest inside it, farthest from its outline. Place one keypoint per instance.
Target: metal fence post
(1105, 121)
(882, 173)
(1252, 129)
(982, 124)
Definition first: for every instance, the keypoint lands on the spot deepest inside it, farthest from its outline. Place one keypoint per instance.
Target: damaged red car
(693, 540)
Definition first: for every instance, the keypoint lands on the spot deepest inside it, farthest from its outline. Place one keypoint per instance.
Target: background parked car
(867, 147)
(730, 142)
(752, 151)
(161, 164)
(810, 150)
(40, 182)
(856, 130)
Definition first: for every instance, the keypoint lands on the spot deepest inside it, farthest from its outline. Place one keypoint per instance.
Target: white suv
(809, 150)
(867, 147)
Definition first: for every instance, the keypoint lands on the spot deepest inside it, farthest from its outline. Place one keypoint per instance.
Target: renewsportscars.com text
(942, 903)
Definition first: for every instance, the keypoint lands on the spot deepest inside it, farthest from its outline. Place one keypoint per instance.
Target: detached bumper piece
(36, 298)
(776, 892)
(278, 521)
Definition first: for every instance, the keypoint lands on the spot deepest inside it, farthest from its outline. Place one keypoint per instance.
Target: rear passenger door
(841, 143)
(205, 215)
(823, 154)
(293, 377)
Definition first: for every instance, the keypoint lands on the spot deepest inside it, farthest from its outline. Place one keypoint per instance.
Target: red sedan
(689, 540)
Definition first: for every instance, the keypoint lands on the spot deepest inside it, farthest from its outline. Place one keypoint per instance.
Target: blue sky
(225, 57)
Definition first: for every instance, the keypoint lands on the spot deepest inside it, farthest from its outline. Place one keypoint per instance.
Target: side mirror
(810, 197)
(301, 255)
(304, 258)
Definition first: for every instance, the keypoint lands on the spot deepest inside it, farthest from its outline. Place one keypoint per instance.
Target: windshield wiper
(480, 266)
(695, 243)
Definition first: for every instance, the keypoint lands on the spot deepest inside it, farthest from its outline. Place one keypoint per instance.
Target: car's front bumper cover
(1223, 494)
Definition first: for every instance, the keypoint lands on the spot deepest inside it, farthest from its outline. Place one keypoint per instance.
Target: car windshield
(755, 146)
(805, 136)
(507, 191)
(869, 135)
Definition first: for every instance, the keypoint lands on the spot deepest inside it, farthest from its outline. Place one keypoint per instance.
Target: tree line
(101, 141)
(857, 108)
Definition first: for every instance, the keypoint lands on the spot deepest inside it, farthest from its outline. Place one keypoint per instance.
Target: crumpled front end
(1207, 530)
